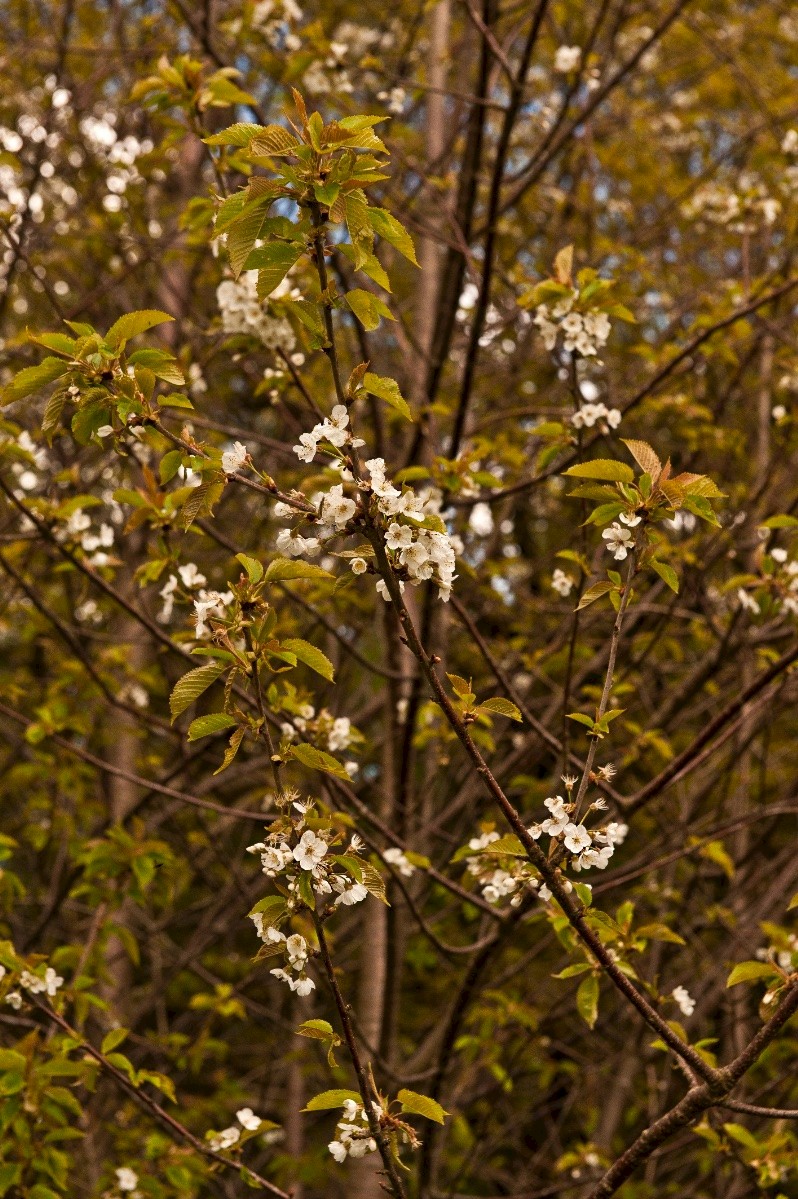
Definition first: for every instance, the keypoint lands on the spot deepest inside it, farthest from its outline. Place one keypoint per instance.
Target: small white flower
(778, 555)
(247, 1119)
(303, 986)
(338, 1150)
(353, 894)
(233, 460)
(358, 566)
(52, 981)
(684, 1001)
(105, 430)
(576, 838)
(561, 582)
(396, 857)
(310, 850)
(567, 59)
(619, 541)
(225, 1139)
(747, 601)
(630, 519)
(127, 1179)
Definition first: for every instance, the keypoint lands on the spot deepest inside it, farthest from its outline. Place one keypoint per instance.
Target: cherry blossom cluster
(335, 732)
(588, 414)
(742, 208)
(289, 853)
(191, 579)
(93, 542)
(352, 1134)
(582, 332)
(46, 983)
(417, 553)
(229, 1137)
(585, 850)
(562, 583)
(242, 311)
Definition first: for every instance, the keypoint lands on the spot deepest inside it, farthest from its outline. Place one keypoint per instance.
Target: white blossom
(225, 1139)
(619, 541)
(396, 857)
(310, 851)
(247, 1119)
(561, 582)
(567, 59)
(234, 459)
(126, 1179)
(683, 1000)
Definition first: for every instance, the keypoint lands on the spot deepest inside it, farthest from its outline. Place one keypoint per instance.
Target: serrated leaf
(587, 998)
(236, 737)
(240, 134)
(273, 262)
(386, 226)
(283, 569)
(273, 140)
(251, 566)
(388, 390)
(580, 718)
(52, 413)
(507, 846)
(32, 379)
(606, 469)
(645, 457)
(593, 593)
(317, 759)
(421, 1105)
(311, 656)
(501, 707)
(666, 573)
(214, 722)
(327, 1100)
(748, 972)
(134, 323)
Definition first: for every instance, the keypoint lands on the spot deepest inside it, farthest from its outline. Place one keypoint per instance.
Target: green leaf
(311, 656)
(793, 902)
(317, 759)
(659, 932)
(502, 707)
(587, 998)
(240, 134)
(115, 1037)
(645, 457)
(317, 1030)
(580, 717)
(605, 513)
(421, 1105)
(573, 971)
(593, 593)
(666, 573)
(604, 469)
(191, 686)
(273, 262)
(368, 308)
(748, 972)
(283, 569)
(507, 846)
(33, 379)
(52, 413)
(782, 521)
(329, 1099)
(388, 390)
(386, 226)
(236, 737)
(170, 465)
(251, 566)
(273, 140)
(134, 323)
(215, 722)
